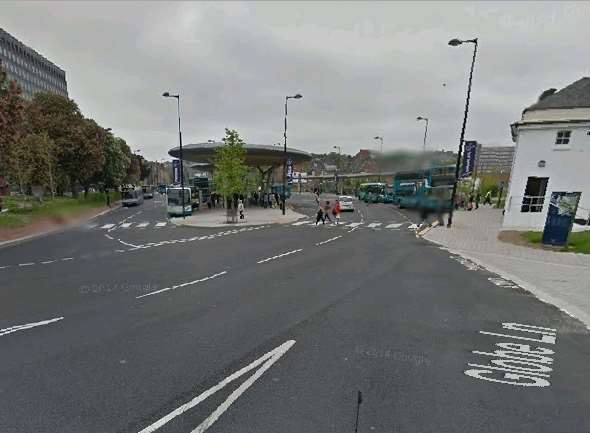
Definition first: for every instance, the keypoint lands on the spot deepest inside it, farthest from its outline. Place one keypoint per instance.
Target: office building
(494, 159)
(33, 72)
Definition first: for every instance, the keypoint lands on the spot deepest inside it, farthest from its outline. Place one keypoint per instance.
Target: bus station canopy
(257, 155)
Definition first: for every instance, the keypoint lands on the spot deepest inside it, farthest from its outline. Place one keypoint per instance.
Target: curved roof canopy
(256, 154)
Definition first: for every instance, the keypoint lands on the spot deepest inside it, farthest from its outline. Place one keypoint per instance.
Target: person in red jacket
(336, 212)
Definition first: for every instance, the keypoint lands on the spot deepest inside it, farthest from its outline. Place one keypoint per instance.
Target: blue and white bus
(174, 205)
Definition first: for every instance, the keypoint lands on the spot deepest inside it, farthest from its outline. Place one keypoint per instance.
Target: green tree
(116, 162)
(12, 111)
(36, 159)
(86, 157)
(231, 170)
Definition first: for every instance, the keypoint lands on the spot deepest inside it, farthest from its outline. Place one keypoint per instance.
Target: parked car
(346, 203)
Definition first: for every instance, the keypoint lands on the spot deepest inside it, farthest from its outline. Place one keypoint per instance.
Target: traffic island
(253, 216)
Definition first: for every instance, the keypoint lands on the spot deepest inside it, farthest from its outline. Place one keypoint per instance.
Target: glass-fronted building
(33, 72)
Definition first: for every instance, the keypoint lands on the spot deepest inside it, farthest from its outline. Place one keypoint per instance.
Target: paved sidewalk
(562, 279)
(255, 216)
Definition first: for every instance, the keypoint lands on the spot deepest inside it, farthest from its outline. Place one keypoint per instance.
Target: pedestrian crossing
(375, 225)
(128, 225)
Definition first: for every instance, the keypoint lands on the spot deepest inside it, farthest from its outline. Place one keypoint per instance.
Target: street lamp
(338, 166)
(425, 130)
(296, 96)
(455, 43)
(377, 137)
(168, 95)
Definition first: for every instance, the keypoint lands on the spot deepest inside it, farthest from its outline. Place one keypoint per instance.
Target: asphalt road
(276, 329)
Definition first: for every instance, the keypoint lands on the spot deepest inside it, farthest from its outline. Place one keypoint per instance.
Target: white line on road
(109, 236)
(46, 262)
(4, 267)
(329, 240)
(65, 259)
(142, 225)
(125, 225)
(12, 329)
(298, 223)
(353, 225)
(108, 226)
(373, 225)
(182, 285)
(394, 226)
(267, 360)
(279, 256)
(26, 264)
(128, 244)
(160, 224)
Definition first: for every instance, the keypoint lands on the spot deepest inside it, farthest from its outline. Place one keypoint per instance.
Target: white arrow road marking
(182, 285)
(279, 256)
(394, 226)
(298, 223)
(28, 326)
(142, 225)
(108, 226)
(373, 225)
(160, 224)
(353, 225)
(267, 360)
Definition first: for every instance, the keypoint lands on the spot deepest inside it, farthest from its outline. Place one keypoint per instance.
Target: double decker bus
(372, 192)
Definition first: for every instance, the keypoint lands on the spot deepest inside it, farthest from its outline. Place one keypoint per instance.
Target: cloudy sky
(364, 69)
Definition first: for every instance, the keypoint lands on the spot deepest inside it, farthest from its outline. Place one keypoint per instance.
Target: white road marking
(326, 241)
(91, 226)
(125, 225)
(373, 225)
(46, 262)
(298, 223)
(119, 251)
(108, 226)
(279, 256)
(414, 227)
(4, 267)
(26, 264)
(142, 225)
(182, 285)
(128, 244)
(12, 329)
(65, 259)
(109, 236)
(353, 225)
(267, 360)
(160, 224)
(394, 226)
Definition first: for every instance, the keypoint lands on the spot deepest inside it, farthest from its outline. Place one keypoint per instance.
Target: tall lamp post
(168, 95)
(338, 167)
(425, 119)
(455, 43)
(377, 137)
(284, 198)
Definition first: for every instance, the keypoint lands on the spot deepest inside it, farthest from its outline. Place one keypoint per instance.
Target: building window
(563, 137)
(534, 194)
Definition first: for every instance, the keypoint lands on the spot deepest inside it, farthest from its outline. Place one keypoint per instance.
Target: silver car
(346, 203)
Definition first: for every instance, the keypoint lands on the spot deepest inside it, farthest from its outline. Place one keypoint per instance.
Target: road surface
(131, 324)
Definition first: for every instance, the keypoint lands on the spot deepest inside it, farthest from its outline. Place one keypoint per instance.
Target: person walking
(241, 209)
(477, 199)
(327, 209)
(488, 198)
(336, 212)
(470, 202)
(319, 216)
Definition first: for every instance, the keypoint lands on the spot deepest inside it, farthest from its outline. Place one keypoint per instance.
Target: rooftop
(576, 95)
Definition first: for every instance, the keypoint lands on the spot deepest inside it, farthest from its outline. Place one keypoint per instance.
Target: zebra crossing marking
(394, 226)
(125, 225)
(108, 226)
(160, 224)
(373, 225)
(142, 225)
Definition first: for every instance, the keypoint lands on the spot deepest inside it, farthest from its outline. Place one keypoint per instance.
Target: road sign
(560, 217)
(176, 171)
(469, 153)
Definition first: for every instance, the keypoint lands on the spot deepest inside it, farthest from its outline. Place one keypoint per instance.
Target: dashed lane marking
(190, 283)
(279, 256)
(373, 225)
(108, 226)
(16, 328)
(125, 225)
(160, 224)
(142, 225)
(328, 240)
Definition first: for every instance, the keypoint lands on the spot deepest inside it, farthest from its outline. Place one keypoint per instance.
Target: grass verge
(25, 210)
(578, 242)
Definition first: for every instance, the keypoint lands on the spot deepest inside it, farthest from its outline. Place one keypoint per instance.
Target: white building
(552, 154)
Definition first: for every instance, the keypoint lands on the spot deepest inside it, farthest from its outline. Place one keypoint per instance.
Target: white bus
(174, 206)
(131, 196)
